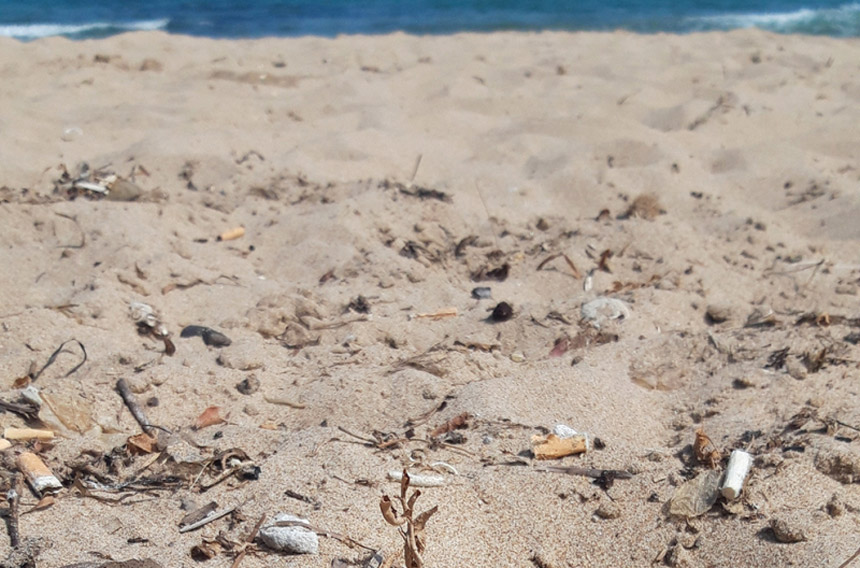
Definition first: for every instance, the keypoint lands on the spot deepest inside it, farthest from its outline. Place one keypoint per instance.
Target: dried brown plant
(414, 539)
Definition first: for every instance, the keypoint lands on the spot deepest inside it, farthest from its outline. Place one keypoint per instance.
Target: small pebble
(788, 529)
(718, 313)
(608, 510)
(502, 312)
(249, 385)
(482, 293)
(294, 540)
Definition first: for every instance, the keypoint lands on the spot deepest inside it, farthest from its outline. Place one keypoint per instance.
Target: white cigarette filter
(736, 472)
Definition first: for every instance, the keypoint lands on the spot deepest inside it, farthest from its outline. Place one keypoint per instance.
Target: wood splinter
(552, 447)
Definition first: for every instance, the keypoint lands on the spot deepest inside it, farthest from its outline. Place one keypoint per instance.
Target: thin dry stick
(853, 557)
(207, 520)
(134, 406)
(14, 498)
(251, 536)
(53, 357)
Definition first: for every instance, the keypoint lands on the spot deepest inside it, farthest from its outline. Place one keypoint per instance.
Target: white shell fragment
(418, 479)
(736, 472)
(296, 540)
(602, 309)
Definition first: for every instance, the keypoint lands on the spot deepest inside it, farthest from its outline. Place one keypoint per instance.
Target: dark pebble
(482, 293)
(209, 335)
(249, 386)
(502, 312)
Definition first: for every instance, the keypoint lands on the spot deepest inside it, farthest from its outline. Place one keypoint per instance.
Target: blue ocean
(81, 19)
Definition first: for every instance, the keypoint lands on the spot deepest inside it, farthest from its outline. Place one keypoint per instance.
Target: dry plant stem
(207, 520)
(134, 406)
(850, 560)
(251, 536)
(14, 498)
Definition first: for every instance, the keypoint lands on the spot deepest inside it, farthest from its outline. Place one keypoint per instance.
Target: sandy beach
(704, 188)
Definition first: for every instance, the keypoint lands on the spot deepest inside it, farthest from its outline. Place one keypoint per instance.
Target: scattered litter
(210, 336)
(553, 446)
(148, 323)
(418, 479)
(602, 309)
(736, 472)
(292, 539)
(697, 496)
(95, 184)
(27, 434)
(502, 312)
(39, 475)
(482, 293)
(231, 234)
(440, 314)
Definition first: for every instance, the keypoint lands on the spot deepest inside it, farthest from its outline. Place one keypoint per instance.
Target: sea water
(80, 19)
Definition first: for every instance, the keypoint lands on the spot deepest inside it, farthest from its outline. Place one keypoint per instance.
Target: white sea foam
(35, 31)
(845, 18)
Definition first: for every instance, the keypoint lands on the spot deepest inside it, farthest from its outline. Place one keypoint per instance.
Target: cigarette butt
(27, 434)
(231, 234)
(443, 313)
(418, 479)
(736, 472)
(5, 444)
(41, 478)
(551, 447)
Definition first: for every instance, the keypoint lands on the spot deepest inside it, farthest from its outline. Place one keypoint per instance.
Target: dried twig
(414, 540)
(208, 519)
(134, 406)
(250, 538)
(53, 358)
(850, 560)
(14, 498)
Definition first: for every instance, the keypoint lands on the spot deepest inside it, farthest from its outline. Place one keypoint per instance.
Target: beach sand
(529, 146)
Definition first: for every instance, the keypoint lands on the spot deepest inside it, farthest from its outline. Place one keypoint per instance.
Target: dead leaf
(208, 417)
(140, 444)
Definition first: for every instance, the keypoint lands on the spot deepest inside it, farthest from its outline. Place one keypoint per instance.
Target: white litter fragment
(418, 479)
(565, 431)
(599, 310)
(736, 472)
(294, 539)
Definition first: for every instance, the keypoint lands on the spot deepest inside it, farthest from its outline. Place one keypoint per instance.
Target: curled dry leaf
(209, 417)
(140, 444)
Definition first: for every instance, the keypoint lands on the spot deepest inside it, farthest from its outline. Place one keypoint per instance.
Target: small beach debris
(249, 385)
(418, 479)
(148, 323)
(459, 422)
(279, 535)
(211, 515)
(645, 206)
(414, 539)
(736, 472)
(602, 309)
(576, 273)
(499, 274)
(762, 316)
(696, 496)
(554, 446)
(560, 347)
(439, 314)
(789, 528)
(502, 312)
(718, 313)
(705, 450)
(39, 475)
(53, 358)
(482, 293)
(141, 444)
(134, 406)
(96, 184)
(210, 336)
(208, 417)
(231, 234)
(27, 434)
